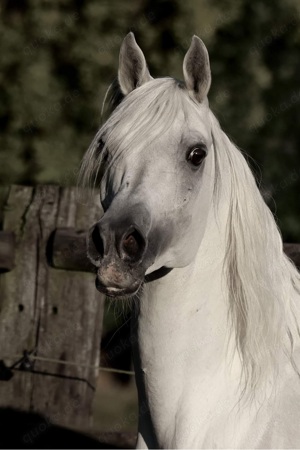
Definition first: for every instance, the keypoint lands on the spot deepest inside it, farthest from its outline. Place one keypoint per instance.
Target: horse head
(155, 153)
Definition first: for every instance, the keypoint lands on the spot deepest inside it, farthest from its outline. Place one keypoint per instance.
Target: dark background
(59, 56)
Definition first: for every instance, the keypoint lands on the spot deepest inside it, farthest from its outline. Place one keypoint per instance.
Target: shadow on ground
(30, 430)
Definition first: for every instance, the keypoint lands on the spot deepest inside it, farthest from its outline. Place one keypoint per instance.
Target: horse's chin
(118, 292)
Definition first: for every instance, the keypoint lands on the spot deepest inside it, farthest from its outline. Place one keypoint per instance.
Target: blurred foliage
(59, 56)
(255, 63)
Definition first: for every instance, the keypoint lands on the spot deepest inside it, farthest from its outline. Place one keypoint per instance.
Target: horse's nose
(129, 245)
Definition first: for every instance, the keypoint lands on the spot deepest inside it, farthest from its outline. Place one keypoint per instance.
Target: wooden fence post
(57, 312)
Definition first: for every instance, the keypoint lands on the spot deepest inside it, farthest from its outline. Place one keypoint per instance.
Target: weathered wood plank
(70, 321)
(18, 325)
(57, 312)
(7, 251)
(68, 248)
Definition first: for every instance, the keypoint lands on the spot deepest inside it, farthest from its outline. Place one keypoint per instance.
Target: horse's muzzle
(118, 253)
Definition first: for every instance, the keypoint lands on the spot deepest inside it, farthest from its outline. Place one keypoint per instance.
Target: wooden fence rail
(67, 250)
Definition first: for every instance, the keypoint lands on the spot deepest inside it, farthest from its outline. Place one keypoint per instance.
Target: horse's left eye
(196, 155)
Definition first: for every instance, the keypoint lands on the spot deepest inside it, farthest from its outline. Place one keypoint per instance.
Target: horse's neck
(187, 309)
(182, 329)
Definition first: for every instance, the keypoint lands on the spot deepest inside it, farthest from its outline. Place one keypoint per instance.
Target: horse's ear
(196, 70)
(133, 71)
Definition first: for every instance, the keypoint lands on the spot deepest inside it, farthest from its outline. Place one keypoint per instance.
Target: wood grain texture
(7, 251)
(68, 248)
(58, 312)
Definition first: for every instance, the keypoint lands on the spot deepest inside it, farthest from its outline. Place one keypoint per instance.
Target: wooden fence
(49, 307)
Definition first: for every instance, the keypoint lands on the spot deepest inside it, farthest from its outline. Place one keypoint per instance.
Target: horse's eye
(196, 155)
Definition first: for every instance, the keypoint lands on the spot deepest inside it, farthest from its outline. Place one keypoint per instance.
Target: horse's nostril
(97, 240)
(130, 245)
(133, 245)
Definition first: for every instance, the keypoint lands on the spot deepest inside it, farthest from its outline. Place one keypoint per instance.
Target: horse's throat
(180, 339)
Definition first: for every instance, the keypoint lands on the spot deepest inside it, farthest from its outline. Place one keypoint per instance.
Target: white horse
(186, 230)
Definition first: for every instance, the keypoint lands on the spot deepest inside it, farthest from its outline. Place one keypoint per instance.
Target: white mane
(262, 283)
(153, 109)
